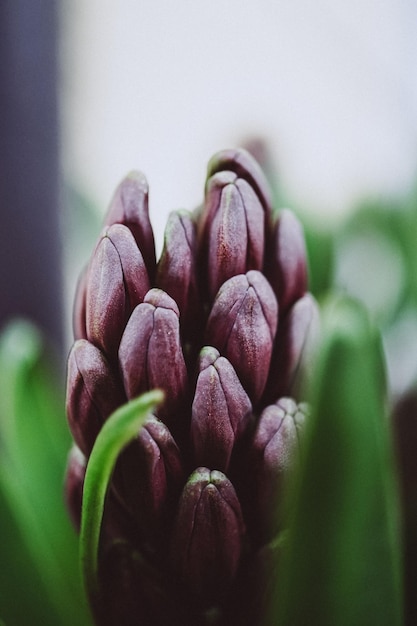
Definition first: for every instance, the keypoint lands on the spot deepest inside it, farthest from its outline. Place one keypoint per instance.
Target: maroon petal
(150, 475)
(275, 450)
(150, 354)
(129, 206)
(220, 411)
(240, 161)
(117, 282)
(293, 356)
(80, 305)
(92, 393)
(233, 239)
(208, 534)
(286, 267)
(74, 484)
(242, 326)
(176, 273)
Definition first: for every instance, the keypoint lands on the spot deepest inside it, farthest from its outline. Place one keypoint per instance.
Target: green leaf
(34, 443)
(120, 428)
(342, 562)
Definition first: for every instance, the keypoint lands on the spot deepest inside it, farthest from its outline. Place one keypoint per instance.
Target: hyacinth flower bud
(152, 474)
(296, 341)
(117, 282)
(243, 165)
(242, 326)
(80, 306)
(129, 206)
(286, 267)
(172, 550)
(74, 482)
(275, 449)
(93, 393)
(150, 354)
(220, 412)
(232, 240)
(208, 534)
(176, 272)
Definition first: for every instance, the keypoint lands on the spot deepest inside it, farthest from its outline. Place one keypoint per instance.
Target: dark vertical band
(30, 258)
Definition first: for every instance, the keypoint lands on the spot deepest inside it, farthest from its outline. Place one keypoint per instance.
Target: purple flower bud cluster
(224, 325)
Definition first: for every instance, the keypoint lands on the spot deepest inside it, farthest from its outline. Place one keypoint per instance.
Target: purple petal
(220, 411)
(150, 354)
(275, 451)
(242, 326)
(93, 393)
(74, 483)
(129, 206)
(80, 305)
(208, 534)
(293, 357)
(242, 163)
(117, 282)
(286, 268)
(176, 273)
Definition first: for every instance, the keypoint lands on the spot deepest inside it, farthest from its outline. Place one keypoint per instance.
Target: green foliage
(342, 565)
(39, 574)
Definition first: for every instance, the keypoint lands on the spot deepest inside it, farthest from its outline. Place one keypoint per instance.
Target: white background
(161, 85)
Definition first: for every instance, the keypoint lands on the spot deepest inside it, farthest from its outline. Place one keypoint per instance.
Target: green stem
(121, 428)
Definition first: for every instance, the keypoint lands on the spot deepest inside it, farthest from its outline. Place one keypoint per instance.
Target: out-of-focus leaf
(383, 233)
(34, 444)
(320, 255)
(342, 564)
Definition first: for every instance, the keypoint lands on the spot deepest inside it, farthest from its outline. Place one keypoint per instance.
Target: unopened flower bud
(244, 165)
(117, 282)
(176, 273)
(150, 354)
(208, 533)
(152, 472)
(242, 326)
(286, 266)
(275, 449)
(296, 342)
(220, 411)
(129, 206)
(93, 393)
(232, 241)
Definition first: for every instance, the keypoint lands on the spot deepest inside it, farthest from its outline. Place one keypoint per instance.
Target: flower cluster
(224, 325)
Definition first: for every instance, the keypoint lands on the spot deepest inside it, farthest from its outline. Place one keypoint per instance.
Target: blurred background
(93, 90)
(324, 93)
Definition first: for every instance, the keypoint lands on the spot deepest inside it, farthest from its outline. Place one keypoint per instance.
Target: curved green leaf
(121, 428)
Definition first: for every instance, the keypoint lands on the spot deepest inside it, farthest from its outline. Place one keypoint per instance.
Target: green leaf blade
(342, 563)
(120, 428)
